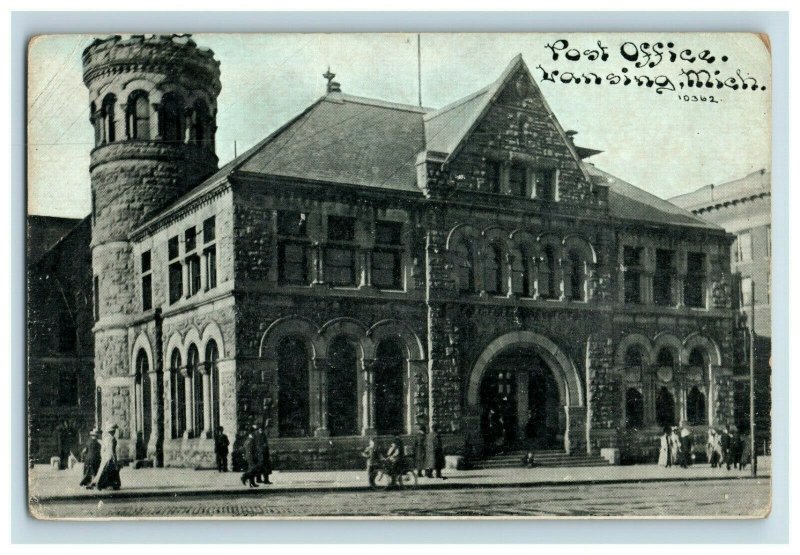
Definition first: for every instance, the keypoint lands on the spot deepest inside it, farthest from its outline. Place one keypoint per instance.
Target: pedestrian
(394, 459)
(713, 450)
(91, 458)
(221, 444)
(665, 452)
(674, 447)
(745, 451)
(686, 445)
(737, 447)
(434, 454)
(419, 451)
(725, 443)
(238, 464)
(251, 459)
(371, 455)
(108, 473)
(264, 462)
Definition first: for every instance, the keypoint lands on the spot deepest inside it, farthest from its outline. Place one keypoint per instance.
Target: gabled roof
(362, 142)
(628, 202)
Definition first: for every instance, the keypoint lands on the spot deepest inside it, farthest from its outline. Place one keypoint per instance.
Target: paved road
(708, 498)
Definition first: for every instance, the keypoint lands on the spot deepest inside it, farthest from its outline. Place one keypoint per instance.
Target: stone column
(523, 381)
(575, 433)
(321, 368)
(188, 389)
(154, 117)
(207, 431)
(368, 427)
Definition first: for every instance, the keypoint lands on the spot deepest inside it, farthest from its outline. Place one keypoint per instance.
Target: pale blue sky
(657, 142)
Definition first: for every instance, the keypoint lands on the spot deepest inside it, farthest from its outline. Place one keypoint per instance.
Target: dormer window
(518, 180)
(545, 184)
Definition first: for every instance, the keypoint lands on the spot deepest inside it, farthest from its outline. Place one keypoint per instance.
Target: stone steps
(549, 458)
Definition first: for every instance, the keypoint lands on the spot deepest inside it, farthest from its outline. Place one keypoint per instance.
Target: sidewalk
(47, 484)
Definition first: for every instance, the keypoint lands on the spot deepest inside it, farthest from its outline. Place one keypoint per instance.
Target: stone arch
(352, 328)
(192, 337)
(388, 329)
(548, 238)
(211, 331)
(495, 234)
(563, 369)
(714, 357)
(290, 325)
(581, 245)
(463, 231)
(175, 342)
(634, 339)
(666, 340)
(142, 343)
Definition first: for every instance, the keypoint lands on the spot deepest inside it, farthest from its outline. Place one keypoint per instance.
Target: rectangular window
(193, 269)
(744, 246)
(190, 240)
(292, 263)
(147, 281)
(172, 247)
(211, 267)
(209, 230)
(389, 233)
(493, 176)
(291, 223)
(694, 287)
(662, 280)
(340, 266)
(386, 269)
(518, 180)
(632, 260)
(175, 282)
(341, 228)
(544, 182)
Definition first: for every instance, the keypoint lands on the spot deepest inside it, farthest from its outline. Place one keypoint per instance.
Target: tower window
(201, 123)
(170, 118)
(138, 116)
(109, 123)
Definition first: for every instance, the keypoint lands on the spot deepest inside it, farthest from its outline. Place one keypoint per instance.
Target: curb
(365, 488)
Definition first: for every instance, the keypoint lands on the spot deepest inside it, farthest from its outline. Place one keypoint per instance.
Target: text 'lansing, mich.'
(678, 68)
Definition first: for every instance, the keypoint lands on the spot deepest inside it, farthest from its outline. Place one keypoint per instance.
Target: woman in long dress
(675, 446)
(665, 453)
(108, 475)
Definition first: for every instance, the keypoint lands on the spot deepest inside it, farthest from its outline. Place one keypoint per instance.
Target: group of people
(428, 457)
(723, 448)
(258, 464)
(100, 465)
(728, 448)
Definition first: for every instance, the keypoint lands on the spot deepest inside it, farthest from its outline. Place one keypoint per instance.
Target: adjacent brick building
(371, 266)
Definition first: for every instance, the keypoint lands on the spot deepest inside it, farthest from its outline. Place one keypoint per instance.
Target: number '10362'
(697, 98)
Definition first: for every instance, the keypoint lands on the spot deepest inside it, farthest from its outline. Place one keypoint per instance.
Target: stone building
(743, 208)
(372, 266)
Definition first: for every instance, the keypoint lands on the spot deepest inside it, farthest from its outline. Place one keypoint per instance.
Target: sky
(660, 142)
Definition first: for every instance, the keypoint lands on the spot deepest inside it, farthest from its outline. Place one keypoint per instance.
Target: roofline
(52, 247)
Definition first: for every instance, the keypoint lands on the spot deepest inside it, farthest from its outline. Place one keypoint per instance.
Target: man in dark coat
(221, 444)
(91, 459)
(737, 446)
(262, 452)
(434, 460)
(725, 443)
(251, 460)
(419, 451)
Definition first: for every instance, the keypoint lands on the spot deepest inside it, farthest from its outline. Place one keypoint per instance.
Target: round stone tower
(153, 104)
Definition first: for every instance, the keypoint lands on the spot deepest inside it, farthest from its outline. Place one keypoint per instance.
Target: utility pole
(753, 457)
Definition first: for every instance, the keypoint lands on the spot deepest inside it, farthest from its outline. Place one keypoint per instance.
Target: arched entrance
(523, 390)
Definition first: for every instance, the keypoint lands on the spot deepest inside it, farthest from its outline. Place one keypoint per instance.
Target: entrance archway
(524, 387)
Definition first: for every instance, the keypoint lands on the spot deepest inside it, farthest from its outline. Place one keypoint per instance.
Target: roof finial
(333, 86)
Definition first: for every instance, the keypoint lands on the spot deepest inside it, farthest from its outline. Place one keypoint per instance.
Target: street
(723, 498)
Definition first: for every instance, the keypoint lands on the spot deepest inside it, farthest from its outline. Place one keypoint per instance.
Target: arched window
(212, 356)
(665, 358)
(634, 408)
(634, 356)
(177, 403)
(137, 116)
(665, 407)
(109, 123)
(342, 387)
(170, 118)
(293, 403)
(493, 275)
(521, 273)
(196, 380)
(143, 405)
(201, 123)
(548, 282)
(576, 277)
(389, 373)
(696, 358)
(97, 123)
(463, 260)
(696, 407)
